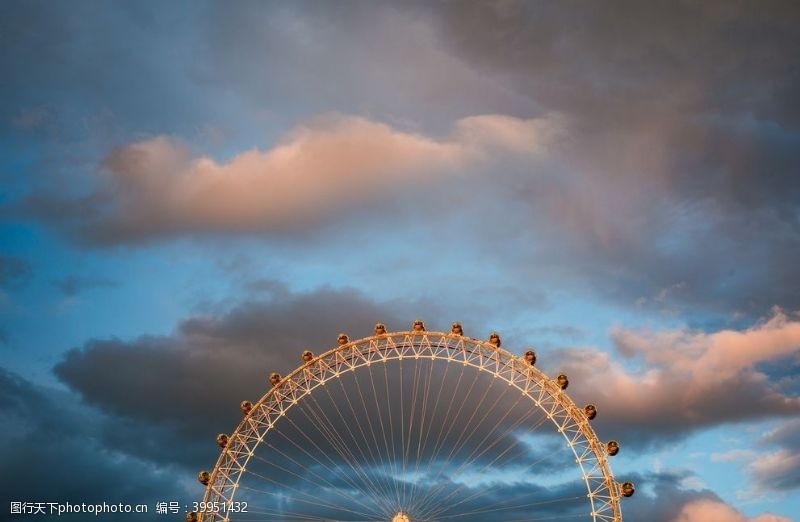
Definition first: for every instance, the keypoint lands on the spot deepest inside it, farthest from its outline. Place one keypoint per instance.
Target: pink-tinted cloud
(774, 469)
(320, 169)
(778, 469)
(710, 358)
(708, 510)
(782, 465)
(733, 455)
(676, 381)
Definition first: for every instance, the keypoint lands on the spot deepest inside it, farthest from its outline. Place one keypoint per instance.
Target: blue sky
(614, 184)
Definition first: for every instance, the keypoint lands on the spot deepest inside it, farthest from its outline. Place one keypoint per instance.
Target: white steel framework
(603, 491)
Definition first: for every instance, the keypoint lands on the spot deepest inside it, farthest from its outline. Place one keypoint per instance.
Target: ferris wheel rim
(606, 495)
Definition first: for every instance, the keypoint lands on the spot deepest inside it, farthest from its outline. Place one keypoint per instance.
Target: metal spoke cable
(459, 441)
(425, 402)
(490, 489)
(411, 418)
(325, 483)
(357, 421)
(379, 408)
(323, 424)
(383, 465)
(339, 446)
(441, 441)
(517, 506)
(358, 468)
(472, 457)
(319, 451)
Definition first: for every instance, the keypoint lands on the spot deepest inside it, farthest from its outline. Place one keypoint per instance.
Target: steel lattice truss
(569, 420)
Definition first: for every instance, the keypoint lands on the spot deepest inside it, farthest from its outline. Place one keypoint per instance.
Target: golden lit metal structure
(547, 394)
(401, 517)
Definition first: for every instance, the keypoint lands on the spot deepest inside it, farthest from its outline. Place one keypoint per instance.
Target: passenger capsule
(418, 326)
(222, 440)
(530, 357)
(204, 477)
(590, 410)
(246, 406)
(343, 339)
(380, 329)
(274, 378)
(456, 328)
(494, 339)
(562, 381)
(192, 516)
(612, 447)
(627, 489)
(307, 356)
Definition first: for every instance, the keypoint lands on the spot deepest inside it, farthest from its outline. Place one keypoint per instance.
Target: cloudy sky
(193, 192)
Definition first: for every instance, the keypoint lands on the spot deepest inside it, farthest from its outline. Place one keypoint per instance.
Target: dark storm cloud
(622, 60)
(51, 452)
(687, 144)
(191, 382)
(81, 78)
(72, 70)
(186, 387)
(313, 58)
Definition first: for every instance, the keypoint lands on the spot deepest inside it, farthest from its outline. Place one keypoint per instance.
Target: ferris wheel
(413, 426)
